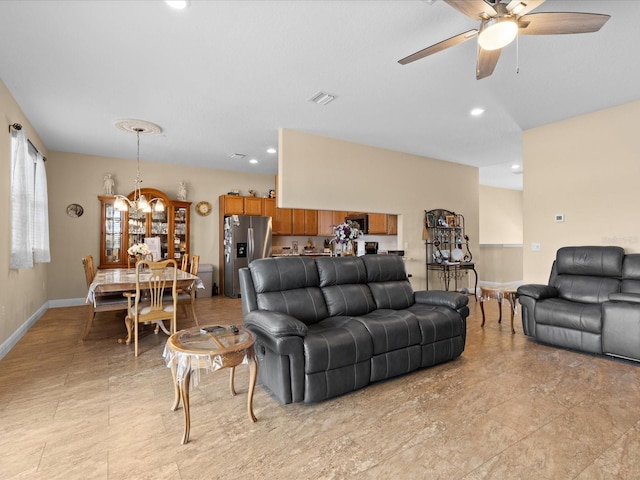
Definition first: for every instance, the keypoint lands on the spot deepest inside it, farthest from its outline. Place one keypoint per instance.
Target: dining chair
(153, 278)
(103, 302)
(185, 262)
(187, 296)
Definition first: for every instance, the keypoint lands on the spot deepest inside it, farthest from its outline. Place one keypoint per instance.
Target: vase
(347, 248)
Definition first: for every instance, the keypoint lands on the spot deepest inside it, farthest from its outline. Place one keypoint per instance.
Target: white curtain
(29, 205)
(41, 253)
(22, 185)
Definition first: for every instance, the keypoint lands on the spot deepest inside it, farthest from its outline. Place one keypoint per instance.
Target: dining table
(120, 280)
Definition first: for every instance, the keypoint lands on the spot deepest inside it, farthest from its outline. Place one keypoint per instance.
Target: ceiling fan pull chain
(517, 54)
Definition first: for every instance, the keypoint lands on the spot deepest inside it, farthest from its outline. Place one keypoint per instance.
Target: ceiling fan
(500, 23)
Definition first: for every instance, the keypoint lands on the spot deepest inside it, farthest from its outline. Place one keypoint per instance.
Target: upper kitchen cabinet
(237, 205)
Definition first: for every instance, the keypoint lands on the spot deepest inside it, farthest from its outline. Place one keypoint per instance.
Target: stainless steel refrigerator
(246, 238)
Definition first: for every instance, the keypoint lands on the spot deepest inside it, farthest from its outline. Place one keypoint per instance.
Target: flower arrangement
(139, 249)
(347, 231)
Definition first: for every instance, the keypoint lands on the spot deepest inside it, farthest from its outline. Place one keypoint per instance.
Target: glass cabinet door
(160, 229)
(137, 227)
(112, 237)
(180, 222)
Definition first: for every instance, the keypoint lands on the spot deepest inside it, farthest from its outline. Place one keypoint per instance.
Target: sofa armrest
(537, 292)
(276, 324)
(625, 297)
(444, 299)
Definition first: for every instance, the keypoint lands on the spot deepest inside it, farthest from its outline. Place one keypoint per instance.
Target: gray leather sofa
(591, 304)
(328, 326)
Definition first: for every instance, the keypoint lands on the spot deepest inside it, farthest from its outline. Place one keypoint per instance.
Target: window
(29, 204)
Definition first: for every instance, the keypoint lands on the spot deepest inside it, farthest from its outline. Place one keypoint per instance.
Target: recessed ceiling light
(253, 160)
(237, 156)
(271, 150)
(178, 4)
(515, 166)
(477, 111)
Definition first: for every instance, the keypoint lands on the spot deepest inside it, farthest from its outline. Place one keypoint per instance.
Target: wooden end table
(499, 293)
(209, 348)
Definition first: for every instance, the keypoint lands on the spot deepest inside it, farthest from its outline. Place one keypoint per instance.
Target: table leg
(512, 302)
(482, 308)
(499, 308)
(176, 388)
(253, 376)
(184, 393)
(232, 388)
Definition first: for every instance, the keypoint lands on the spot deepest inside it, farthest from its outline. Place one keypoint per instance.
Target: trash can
(205, 272)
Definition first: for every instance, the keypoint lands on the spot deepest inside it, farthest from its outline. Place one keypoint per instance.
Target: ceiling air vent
(322, 98)
(237, 156)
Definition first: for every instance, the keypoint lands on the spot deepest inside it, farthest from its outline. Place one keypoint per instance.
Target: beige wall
(24, 292)
(76, 178)
(325, 173)
(586, 168)
(501, 225)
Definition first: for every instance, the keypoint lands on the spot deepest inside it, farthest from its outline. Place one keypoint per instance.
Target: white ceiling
(222, 76)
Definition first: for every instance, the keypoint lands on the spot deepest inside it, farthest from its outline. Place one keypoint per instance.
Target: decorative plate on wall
(203, 208)
(75, 210)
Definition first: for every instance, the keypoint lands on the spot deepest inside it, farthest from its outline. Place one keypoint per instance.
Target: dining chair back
(102, 302)
(185, 263)
(158, 280)
(132, 259)
(187, 296)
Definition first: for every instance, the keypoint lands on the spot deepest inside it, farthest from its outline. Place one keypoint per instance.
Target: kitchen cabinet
(383, 224)
(282, 222)
(253, 206)
(304, 222)
(327, 219)
(377, 224)
(119, 230)
(237, 205)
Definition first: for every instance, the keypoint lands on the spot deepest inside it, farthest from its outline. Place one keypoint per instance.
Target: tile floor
(508, 408)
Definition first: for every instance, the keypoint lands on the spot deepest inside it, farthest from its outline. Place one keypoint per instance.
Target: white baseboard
(67, 302)
(15, 337)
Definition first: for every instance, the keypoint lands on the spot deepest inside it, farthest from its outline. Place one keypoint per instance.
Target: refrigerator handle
(250, 245)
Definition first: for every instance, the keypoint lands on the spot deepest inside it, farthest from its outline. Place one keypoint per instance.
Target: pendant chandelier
(139, 202)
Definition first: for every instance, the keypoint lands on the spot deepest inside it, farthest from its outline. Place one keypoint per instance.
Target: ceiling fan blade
(558, 23)
(476, 9)
(487, 60)
(522, 7)
(448, 43)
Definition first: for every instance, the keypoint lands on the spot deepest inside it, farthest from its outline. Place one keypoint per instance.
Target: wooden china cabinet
(119, 230)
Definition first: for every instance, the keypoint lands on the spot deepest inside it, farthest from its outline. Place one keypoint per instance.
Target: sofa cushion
(336, 342)
(388, 281)
(572, 315)
(586, 289)
(590, 261)
(284, 273)
(341, 270)
(437, 322)
(352, 299)
(391, 329)
(305, 304)
(631, 273)
(343, 281)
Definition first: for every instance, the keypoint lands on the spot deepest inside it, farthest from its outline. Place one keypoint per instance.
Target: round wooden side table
(499, 293)
(208, 348)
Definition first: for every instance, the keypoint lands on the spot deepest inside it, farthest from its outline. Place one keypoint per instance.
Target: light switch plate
(535, 247)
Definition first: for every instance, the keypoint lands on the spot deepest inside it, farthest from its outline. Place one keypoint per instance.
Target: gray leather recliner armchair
(591, 304)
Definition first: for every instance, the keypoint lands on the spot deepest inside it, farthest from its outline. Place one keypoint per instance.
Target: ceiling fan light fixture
(497, 32)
